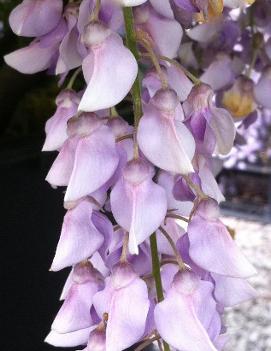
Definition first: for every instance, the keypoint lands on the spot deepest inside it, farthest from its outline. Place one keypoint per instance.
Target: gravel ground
(249, 324)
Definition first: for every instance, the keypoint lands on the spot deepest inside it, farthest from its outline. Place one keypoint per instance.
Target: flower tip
(54, 267)
(133, 249)
(165, 100)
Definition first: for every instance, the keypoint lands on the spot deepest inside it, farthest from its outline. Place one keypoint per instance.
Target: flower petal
(130, 3)
(31, 59)
(89, 173)
(144, 210)
(205, 32)
(168, 44)
(33, 18)
(177, 323)
(74, 314)
(69, 57)
(113, 64)
(179, 82)
(224, 129)
(167, 181)
(166, 142)
(213, 76)
(76, 338)
(212, 248)
(56, 126)
(79, 237)
(262, 89)
(232, 291)
(61, 170)
(37, 56)
(126, 322)
(162, 7)
(208, 183)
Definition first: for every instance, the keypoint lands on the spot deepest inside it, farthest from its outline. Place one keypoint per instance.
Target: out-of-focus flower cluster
(150, 259)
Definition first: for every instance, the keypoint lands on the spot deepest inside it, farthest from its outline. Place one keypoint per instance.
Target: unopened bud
(94, 34)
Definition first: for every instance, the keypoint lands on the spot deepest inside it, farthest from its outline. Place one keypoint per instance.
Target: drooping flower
(79, 237)
(183, 318)
(142, 200)
(211, 246)
(91, 144)
(239, 99)
(176, 78)
(212, 75)
(262, 89)
(34, 18)
(149, 21)
(126, 320)
(75, 314)
(212, 127)
(107, 62)
(56, 127)
(232, 291)
(162, 136)
(69, 50)
(145, 202)
(39, 54)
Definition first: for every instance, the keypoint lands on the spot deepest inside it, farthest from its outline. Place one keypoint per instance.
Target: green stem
(257, 40)
(174, 248)
(252, 63)
(131, 44)
(73, 78)
(156, 268)
(136, 95)
(156, 275)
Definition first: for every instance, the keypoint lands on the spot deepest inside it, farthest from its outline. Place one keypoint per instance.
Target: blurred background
(32, 212)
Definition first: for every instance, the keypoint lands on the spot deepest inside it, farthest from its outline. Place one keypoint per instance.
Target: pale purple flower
(79, 237)
(126, 320)
(212, 127)
(108, 61)
(211, 246)
(69, 49)
(56, 127)
(161, 128)
(40, 54)
(75, 314)
(145, 202)
(91, 143)
(34, 18)
(126, 181)
(150, 21)
(263, 88)
(184, 316)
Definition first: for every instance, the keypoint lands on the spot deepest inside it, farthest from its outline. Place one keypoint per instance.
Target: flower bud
(141, 14)
(96, 340)
(186, 282)
(122, 275)
(239, 98)
(166, 100)
(85, 272)
(66, 98)
(84, 125)
(119, 126)
(199, 97)
(208, 209)
(94, 34)
(136, 171)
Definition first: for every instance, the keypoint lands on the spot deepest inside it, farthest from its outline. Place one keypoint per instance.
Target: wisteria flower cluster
(150, 259)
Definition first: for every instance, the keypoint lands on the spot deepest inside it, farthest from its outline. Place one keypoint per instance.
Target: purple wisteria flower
(150, 260)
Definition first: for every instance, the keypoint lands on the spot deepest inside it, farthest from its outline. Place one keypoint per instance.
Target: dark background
(31, 215)
(31, 211)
